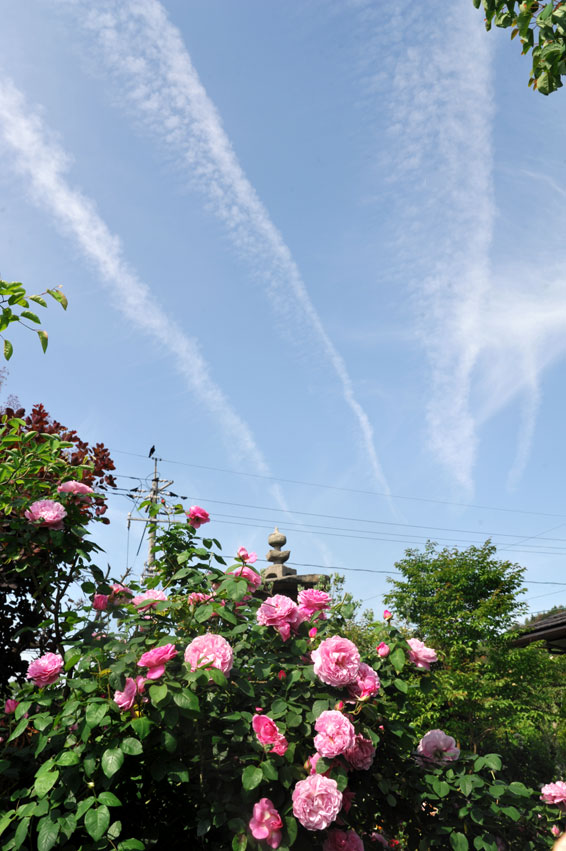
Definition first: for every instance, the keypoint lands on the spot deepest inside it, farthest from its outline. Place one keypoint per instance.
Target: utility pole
(157, 486)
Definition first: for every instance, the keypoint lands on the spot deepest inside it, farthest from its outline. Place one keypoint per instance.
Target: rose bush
(190, 712)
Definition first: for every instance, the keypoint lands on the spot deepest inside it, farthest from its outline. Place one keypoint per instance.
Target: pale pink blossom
(10, 706)
(343, 840)
(366, 683)
(47, 512)
(280, 612)
(149, 599)
(555, 830)
(125, 699)
(210, 651)
(336, 734)
(336, 661)
(437, 747)
(250, 558)
(155, 660)
(316, 801)
(45, 670)
(266, 823)
(312, 601)
(197, 516)
(199, 597)
(554, 793)
(77, 488)
(362, 754)
(244, 572)
(383, 649)
(100, 602)
(422, 656)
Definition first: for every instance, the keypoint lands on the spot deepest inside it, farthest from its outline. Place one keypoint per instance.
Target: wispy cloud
(146, 52)
(43, 163)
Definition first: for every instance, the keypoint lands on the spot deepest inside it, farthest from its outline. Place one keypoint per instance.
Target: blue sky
(302, 243)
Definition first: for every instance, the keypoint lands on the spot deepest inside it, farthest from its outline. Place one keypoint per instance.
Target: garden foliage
(197, 710)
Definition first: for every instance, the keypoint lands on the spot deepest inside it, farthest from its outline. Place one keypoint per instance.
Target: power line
(344, 489)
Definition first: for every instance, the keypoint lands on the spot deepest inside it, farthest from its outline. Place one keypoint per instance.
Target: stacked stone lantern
(280, 579)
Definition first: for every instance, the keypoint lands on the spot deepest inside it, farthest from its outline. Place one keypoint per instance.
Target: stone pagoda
(280, 579)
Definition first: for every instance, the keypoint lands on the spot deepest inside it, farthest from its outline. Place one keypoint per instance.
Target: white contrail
(157, 78)
(43, 163)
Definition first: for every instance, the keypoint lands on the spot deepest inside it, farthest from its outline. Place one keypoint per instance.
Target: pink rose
(387, 615)
(243, 571)
(77, 488)
(10, 706)
(282, 613)
(382, 649)
(555, 794)
(312, 601)
(149, 599)
(336, 661)
(343, 840)
(265, 729)
(197, 516)
(199, 597)
(437, 747)
(316, 801)
(209, 651)
(312, 632)
(45, 670)
(362, 754)
(154, 660)
(366, 683)
(250, 558)
(336, 734)
(422, 656)
(100, 602)
(47, 512)
(555, 830)
(266, 823)
(120, 593)
(280, 746)
(125, 699)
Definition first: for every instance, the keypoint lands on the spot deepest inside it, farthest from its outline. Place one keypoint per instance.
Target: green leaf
(466, 784)
(22, 708)
(72, 656)
(318, 707)
(512, 812)
(6, 820)
(95, 712)
(141, 726)
(401, 685)
(84, 806)
(68, 758)
(157, 693)
(97, 821)
(38, 300)
(493, 761)
(398, 659)
(440, 787)
(59, 296)
(43, 339)
(131, 746)
(131, 845)
(187, 700)
(27, 314)
(251, 777)
(519, 789)
(112, 760)
(291, 825)
(459, 842)
(8, 349)
(279, 707)
(21, 832)
(47, 834)
(109, 799)
(239, 842)
(44, 782)
(269, 770)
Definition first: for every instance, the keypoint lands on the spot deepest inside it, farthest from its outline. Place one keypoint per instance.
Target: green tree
(541, 28)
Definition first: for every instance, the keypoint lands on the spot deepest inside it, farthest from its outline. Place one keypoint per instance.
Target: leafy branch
(13, 296)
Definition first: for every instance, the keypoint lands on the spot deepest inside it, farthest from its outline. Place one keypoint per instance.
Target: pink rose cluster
(267, 733)
(125, 699)
(149, 599)
(282, 613)
(47, 513)
(335, 734)
(343, 840)
(555, 794)
(266, 823)
(156, 659)
(209, 651)
(437, 747)
(313, 602)
(421, 656)
(78, 489)
(45, 670)
(197, 516)
(316, 801)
